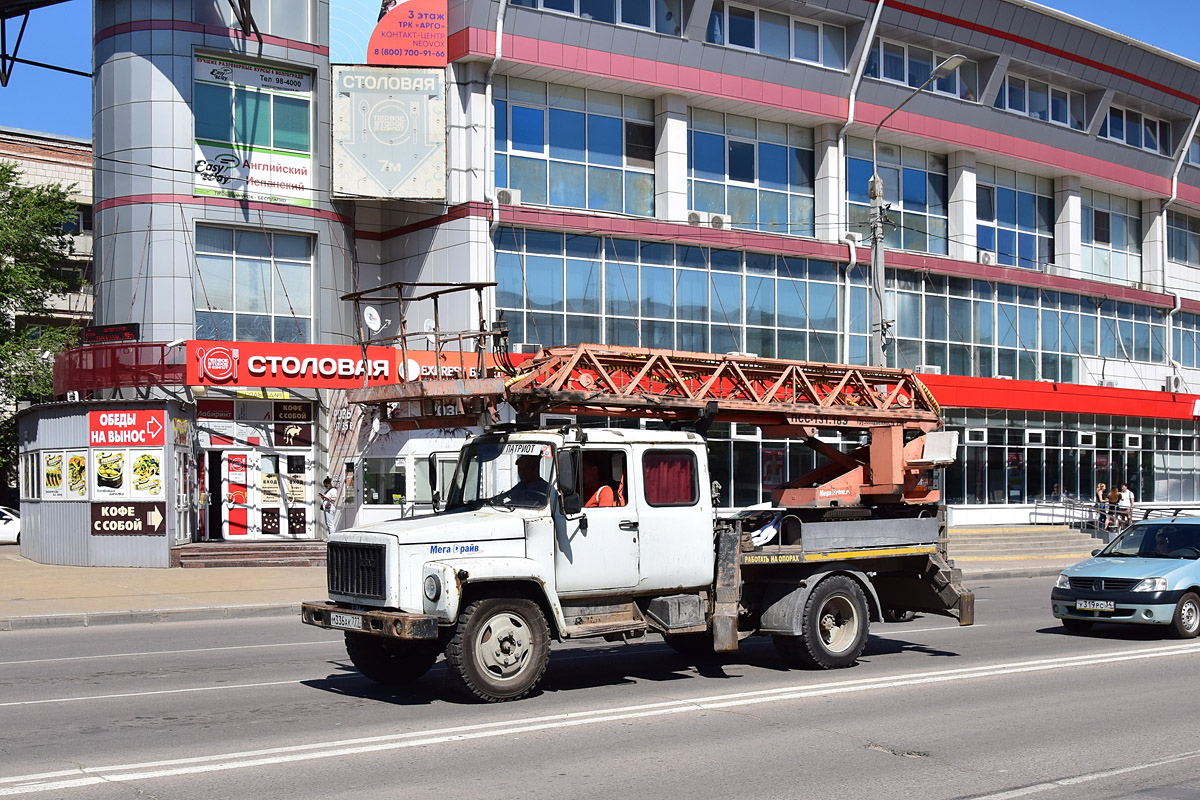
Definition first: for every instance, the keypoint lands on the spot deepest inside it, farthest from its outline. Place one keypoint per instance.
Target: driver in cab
(531, 488)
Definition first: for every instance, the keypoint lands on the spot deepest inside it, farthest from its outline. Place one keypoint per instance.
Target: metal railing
(1092, 517)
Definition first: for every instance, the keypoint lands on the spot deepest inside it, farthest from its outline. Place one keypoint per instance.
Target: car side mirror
(1095, 552)
(567, 469)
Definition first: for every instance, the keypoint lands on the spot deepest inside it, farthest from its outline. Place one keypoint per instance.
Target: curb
(195, 614)
(993, 574)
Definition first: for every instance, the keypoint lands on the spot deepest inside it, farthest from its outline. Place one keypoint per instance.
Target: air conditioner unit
(718, 221)
(976, 435)
(1035, 436)
(525, 348)
(928, 369)
(72, 397)
(695, 217)
(1109, 383)
(1174, 383)
(508, 197)
(986, 257)
(1004, 377)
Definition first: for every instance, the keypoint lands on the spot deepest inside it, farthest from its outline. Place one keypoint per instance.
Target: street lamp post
(879, 326)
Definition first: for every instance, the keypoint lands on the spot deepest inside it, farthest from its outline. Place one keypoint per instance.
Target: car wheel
(1186, 622)
(390, 661)
(835, 627)
(500, 649)
(1077, 625)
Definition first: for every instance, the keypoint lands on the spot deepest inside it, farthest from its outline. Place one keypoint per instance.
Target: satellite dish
(429, 334)
(372, 319)
(376, 425)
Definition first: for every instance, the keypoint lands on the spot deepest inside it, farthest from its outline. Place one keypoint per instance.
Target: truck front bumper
(393, 624)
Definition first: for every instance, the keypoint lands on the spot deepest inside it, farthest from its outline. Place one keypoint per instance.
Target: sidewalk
(36, 595)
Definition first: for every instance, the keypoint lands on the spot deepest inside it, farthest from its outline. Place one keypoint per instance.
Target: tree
(32, 243)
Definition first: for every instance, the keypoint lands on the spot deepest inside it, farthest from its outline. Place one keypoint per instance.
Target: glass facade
(1042, 101)
(555, 289)
(760, 174)
(1183, 242)
(916, 186)
(778, 35)
(577, 148)
(1132, 128)
(1112, 237)
(252, 286)
(660, 16)
(912, 66)
(1015, 217)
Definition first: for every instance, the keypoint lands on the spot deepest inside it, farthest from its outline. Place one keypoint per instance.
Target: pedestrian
(328, 502)
(1101, 499)
(1125, 503)
(1114, 515)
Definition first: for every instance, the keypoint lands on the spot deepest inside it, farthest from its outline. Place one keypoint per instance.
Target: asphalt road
(1012, 707)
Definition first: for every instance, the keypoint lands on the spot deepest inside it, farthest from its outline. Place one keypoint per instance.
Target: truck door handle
(628, 525)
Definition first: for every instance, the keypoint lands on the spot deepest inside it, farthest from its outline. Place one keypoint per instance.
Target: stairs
(1026, 541)
(249, 554)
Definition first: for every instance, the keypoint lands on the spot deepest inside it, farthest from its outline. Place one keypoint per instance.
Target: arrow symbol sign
(153, 427)
(154, 518)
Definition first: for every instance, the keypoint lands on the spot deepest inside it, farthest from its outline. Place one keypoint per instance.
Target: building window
(661, 16)
(555, 289)
(252, 286)
(1015, 217)
(1112, 237)
(912, 66)
(916, 186)
(563, 146)
(1132, 128)
(1042, 101)
(288, 19)
(971, 327)
(80, 222)
(777, 35)
(1183, 243)
(758, 174)
(253, 131)
(384, 481)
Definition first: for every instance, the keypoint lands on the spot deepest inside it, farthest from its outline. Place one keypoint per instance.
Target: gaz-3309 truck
(568, 533)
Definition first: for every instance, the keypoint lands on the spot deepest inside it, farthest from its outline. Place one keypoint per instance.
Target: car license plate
(350, 622)
(1095, 605)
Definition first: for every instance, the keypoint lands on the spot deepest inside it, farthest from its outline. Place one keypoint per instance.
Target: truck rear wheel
(390, 661)
(500, 648)
(834, 627)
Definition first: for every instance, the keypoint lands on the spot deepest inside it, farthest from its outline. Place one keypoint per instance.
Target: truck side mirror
(568, 480)
(434, 495)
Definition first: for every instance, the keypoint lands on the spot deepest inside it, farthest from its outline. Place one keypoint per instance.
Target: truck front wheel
(500, 648)
(388, 661)
(834, 627)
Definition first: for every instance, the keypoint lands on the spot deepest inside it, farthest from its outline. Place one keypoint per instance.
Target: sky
(52, 102)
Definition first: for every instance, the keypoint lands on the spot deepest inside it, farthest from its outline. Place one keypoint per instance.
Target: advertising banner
(409, 33)
(389, 133)
(134, 427)
(77, 474)
(110, 470)
(53, 470)
(129, 519)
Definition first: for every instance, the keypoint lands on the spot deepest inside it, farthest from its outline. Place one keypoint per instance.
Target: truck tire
(1186, 622)
(390, 661)
(499, 649)
(835, 627)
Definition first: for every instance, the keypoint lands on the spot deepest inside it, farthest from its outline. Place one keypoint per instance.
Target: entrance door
(240, 494)
(600, 550)
(284, 507)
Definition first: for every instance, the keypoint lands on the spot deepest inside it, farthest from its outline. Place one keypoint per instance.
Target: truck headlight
(1151, 585)
(433, 588)
(1063, 582)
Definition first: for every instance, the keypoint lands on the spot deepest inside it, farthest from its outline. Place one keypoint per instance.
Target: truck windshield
(503, 473)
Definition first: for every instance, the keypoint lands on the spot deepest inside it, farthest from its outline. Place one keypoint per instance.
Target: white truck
(571, 533)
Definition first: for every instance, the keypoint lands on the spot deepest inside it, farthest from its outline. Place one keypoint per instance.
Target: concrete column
(670, 158)
(961, 224)
(467, 169)
(1068, 227)
(830, 200)
(1154, 246)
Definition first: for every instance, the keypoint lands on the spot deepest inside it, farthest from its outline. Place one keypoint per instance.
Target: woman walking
(1101, 504)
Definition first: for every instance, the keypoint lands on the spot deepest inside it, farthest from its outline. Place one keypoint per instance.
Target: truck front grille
(356, 569)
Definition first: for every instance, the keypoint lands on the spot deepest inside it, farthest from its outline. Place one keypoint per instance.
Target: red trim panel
(221, 202)
(207, 30)
(956, 391)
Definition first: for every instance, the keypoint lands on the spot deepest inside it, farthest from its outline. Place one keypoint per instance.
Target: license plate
(1095, 605)
(351, 622)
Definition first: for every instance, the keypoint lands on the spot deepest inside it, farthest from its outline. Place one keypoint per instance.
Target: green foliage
(32, 243)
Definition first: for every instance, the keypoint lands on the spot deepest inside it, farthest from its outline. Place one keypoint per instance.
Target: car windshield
(501, 472)
(1156, 540)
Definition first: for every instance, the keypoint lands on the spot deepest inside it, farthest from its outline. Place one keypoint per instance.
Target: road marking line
(1038, 788)
(161, 691)
(166, 652)
(89, 776)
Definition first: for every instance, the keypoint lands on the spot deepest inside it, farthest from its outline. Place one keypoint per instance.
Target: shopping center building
(679, 175)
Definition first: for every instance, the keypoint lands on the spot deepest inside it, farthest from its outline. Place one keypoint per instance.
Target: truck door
(599, 548)
(678, 548)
